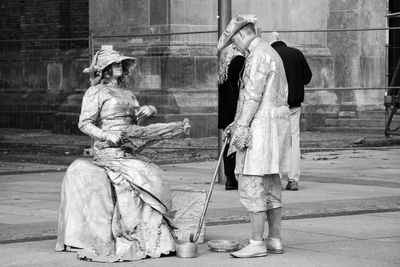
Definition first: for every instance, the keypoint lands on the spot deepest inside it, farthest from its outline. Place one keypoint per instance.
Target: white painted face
(235, 48)
(238, 41)
(116, 69)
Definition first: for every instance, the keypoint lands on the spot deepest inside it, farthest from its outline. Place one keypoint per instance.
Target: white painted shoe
(251, 250)
(274, 245)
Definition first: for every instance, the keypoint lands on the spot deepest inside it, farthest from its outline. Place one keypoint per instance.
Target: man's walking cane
(195, 237)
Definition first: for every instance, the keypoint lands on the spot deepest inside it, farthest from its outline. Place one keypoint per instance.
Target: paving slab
(352, 184)
(324, 247)
(356, 228)
(390, 214)
(20, 167)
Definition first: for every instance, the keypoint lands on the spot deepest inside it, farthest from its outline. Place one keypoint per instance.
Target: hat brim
(128, 63)
(226, 39)
(235, 25)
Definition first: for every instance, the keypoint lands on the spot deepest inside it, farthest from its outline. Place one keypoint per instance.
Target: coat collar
(278, 44)
(253, 43)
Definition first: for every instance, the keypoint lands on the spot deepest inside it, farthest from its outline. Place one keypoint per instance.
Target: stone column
(176, 73)
(224, 16)
(359, 55)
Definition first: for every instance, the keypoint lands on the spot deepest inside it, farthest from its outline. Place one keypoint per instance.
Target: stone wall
(182, 68)
(359, 60)
(359, 56)
(176, 73)
(10, 12)
(337, 59)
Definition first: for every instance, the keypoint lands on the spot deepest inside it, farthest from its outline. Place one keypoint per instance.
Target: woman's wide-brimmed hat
(104, 58)
(233, 27)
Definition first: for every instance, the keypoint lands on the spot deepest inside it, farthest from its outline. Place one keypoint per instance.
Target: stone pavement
(41, 146)
(333, 183)
(357, 241)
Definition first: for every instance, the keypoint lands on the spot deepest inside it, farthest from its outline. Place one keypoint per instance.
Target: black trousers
(229, 166)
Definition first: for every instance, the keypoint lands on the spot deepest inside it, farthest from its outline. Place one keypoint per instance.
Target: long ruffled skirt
(111, 222)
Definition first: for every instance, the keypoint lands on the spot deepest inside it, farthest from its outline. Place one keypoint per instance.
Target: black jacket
(228, 93)
(297, 71)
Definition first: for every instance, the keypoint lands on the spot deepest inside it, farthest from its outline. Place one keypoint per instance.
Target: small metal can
(186, 249)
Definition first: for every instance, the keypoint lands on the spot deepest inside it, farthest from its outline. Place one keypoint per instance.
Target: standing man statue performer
(260, 135)
(298, 74)
(231, 64)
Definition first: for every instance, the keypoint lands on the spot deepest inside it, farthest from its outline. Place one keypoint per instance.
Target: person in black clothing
(230, 68)
(298, 74)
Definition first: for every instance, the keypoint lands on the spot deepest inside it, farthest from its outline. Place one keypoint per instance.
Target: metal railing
(138, 41)
(385, 48)
(35, 74)
(380, 47)
(26, 65)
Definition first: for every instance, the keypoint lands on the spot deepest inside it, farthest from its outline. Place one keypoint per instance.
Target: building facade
(178, 72)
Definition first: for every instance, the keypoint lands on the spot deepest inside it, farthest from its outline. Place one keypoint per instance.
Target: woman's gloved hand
(186, 126)
(146, 111)
(113, 138)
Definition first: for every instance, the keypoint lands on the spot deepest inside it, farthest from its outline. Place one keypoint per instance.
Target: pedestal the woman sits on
(117, 208)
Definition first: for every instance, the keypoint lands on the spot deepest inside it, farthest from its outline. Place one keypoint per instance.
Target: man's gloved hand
(229, 130)
(241, 136)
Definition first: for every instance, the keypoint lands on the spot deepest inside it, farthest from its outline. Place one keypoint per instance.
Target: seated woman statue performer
(116, 207)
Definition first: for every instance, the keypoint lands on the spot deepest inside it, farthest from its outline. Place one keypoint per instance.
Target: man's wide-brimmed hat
(104, 58)
(233, 27)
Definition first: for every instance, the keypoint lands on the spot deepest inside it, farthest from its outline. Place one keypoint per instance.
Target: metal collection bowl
(223, 245)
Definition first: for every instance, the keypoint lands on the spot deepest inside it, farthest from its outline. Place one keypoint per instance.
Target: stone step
(348, 107)
(27, 119)
(69, 107)
(202, 124)
(165, 102)
(347, 114)
(27, 98)
(26, 107)
(195, 109)
(359, 122)
(366, 130)
(66, 123)
(373, 114)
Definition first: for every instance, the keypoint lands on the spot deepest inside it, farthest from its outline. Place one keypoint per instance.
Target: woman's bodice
(118, 108)
(109, 107)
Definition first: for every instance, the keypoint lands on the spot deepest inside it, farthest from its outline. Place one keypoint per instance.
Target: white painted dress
(117, 208)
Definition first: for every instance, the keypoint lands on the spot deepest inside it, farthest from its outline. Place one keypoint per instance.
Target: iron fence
(387, 49)
(35, 76)
(364, 77)
(40, 74)
(153, 44)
